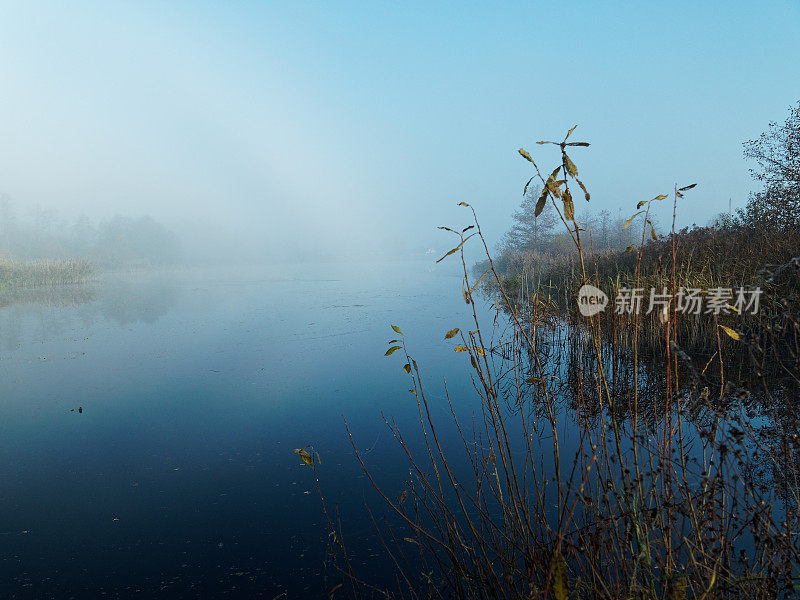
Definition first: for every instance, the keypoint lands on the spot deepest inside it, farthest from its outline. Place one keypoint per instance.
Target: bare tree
(777, 155)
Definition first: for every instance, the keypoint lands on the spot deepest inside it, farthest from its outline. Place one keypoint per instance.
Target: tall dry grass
(36, 273)
(590, 470)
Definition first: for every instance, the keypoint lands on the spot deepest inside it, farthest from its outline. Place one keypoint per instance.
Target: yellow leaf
(392, 350)
(451, 333)
(540, 203)
(453, 251)
(569, 207)
(472, 289)
(571, 168)
(583, 187)
(304, 456)
(525, 155)
(460, 349)
(480, 351)
(552, 177)
(660, 197)
(629, 221)
(560, 584)
(525, 191)
(730, 332)
(677, 589)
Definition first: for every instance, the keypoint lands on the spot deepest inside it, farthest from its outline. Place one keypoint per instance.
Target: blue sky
(339, 127)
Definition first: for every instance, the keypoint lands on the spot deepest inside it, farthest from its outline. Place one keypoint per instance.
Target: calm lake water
(149, 421)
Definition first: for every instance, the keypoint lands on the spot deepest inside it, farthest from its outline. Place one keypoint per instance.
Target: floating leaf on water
(397, 329)
(305, 456)
(451, 333)
(460, 349)
(730, 332)
(687, 187)
(392, 350)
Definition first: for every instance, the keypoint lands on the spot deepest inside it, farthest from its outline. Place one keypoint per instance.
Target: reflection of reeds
(62, 295)
(36, 273)
(589, 472)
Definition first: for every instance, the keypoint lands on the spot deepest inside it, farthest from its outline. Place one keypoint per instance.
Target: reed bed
(589, 469)
(37, 273)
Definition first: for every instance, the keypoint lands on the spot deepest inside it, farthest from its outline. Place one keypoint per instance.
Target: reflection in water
(177, 479)
(46, 313)
(141, 298)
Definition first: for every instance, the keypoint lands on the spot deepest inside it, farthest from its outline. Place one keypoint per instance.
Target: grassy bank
(725, 256)
(16, 274)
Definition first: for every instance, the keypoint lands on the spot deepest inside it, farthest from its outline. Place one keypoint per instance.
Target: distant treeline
(41, 234)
